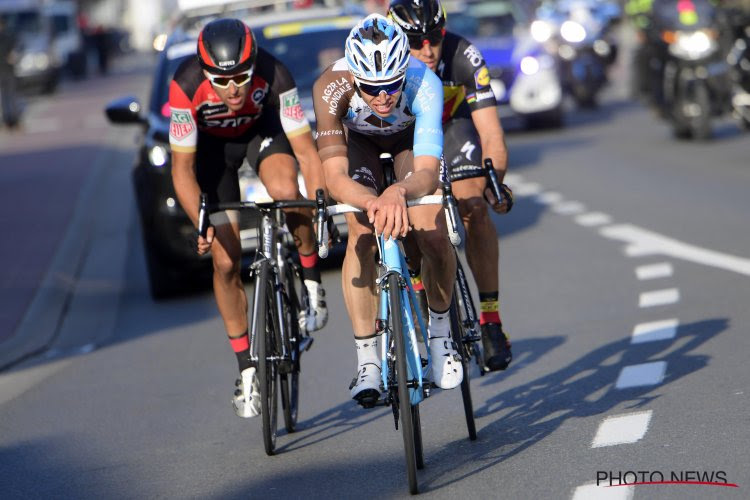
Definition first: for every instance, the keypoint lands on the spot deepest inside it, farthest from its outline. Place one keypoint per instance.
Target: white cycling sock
(368, 349)
(439, 325)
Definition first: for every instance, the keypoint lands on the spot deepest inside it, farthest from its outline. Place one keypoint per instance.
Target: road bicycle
(277, 334)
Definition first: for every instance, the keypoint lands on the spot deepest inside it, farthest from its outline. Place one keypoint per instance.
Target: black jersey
(466, 79)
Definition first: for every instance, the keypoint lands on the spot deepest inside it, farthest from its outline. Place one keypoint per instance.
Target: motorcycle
(579, 34)
(739, 64)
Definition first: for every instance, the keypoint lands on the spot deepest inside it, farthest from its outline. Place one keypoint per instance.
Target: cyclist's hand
(388, 212)
(204, 244)
(504, 206)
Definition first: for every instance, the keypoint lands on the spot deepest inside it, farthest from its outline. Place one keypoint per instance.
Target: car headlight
(572, 32)
(541, 31)
(529, 65)
(34, 61)
(691, 45)
(158, 155)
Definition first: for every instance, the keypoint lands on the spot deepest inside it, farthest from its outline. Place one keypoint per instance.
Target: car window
(23, 21)
(60, 24)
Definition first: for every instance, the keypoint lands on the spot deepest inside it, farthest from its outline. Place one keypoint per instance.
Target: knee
(361, 240)
(283, 190)
(474, 209)
(225, 267)
(435, 245)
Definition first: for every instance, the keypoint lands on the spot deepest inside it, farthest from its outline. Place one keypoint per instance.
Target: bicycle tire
(457, 333)
(266, 335)
(405, 414)
(290, 381)
(417, 422)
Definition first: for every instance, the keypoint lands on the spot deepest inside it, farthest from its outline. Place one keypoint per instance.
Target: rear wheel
(405, 412)
(457, 333)
(266, 334)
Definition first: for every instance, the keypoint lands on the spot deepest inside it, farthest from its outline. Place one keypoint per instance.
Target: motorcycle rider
(472, 132)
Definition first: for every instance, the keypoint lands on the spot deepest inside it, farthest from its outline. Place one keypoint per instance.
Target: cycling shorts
(219, 159)
(461, 147)
(364, 152)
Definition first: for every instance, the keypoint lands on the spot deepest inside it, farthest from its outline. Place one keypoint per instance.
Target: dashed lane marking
(549, 198)
(592, 219)
(654, 330)
(640, 375)
(594, 492)
(569, 208)
(659, 297)
(622, 429)
(654, 271)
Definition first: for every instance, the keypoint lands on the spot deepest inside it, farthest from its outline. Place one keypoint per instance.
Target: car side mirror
(125, 110)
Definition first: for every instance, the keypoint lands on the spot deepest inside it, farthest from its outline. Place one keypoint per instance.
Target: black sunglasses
(388, 88)
(433, 38)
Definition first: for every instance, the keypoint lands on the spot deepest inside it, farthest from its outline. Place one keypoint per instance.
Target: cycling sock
(368, 349)
(489, 307)
(310, 268)
(241, 347)
(416, 280)
(439, 325)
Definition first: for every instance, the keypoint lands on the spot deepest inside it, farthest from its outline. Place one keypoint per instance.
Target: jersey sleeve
(330, 101)
(426, 101)
(470, 70)
(183, 129)
(293, 119)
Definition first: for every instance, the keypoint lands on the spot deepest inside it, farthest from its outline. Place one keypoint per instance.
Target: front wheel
(402, 381)
(290, 381)
(457, 334)
(266, 335)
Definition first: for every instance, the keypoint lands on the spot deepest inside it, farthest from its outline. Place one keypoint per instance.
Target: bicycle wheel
(290, 381)
(402, 379)
(266, 334)
(457, 333)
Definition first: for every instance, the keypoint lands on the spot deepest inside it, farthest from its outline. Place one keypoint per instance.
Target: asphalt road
(625, 268)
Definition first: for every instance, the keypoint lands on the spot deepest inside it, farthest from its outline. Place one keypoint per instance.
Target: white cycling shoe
(447, 370)
(315, 315)
(246, 399)
(365, 387)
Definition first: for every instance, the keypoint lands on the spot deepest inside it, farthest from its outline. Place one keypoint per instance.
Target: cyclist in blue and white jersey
(379, 100)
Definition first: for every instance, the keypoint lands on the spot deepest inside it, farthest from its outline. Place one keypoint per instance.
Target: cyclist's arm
(309, 163)
(185, 183)
(491, 138)
(183, 140)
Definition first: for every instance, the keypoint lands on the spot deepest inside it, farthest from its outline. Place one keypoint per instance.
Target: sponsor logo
(468, 149)
(474, 56)
(181, 123)
(291, 107)
(224, 64)
(333, 93)
(237, 121)
(259, 93)
(266, 142)
(481, 96)
(324, 133)
(482, 77)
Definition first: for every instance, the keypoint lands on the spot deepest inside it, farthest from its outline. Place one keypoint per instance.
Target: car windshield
(22, 22)
(490, 19)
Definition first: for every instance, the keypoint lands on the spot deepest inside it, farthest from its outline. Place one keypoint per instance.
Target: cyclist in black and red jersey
(472, 131)
(236, 101)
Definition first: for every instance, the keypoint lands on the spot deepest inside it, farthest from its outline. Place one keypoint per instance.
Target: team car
(306, 41)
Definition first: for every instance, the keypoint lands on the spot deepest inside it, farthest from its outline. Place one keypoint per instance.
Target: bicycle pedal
(367, 398)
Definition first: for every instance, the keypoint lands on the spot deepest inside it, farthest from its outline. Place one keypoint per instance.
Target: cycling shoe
(315, 315)
(447, 370)
(497, 353)
(365, 387)
(246, 399)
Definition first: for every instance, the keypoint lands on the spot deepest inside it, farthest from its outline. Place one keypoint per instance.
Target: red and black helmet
(227, 47)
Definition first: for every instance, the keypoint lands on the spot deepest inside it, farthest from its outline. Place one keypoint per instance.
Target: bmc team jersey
(465, 77)
(338, 104)
(195, 107)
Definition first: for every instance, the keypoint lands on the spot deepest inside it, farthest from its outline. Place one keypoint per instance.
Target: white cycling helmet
(377, 50)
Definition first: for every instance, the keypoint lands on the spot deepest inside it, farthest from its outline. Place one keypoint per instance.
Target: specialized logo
(291, 107)
(482, 77)
(266, 142)
(468, 149)
(181, 123)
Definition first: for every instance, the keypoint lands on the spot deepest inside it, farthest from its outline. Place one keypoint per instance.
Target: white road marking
(15, 383)
(569, 208)
(549, 198)
(640, 375)
(592, 219)
(603, 492)
(513, 180)
(642, 243)
(622, 429)
(654, 330)
(527, 189)
(653, 271)
(659, 297)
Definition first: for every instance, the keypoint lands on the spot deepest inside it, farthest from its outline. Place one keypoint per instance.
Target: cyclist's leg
(358, 273)
(272, 150)
(462, 149)
(438, 274)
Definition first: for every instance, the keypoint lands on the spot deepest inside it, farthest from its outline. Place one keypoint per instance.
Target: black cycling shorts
(461, 147)
(219, 159)
(364, 150)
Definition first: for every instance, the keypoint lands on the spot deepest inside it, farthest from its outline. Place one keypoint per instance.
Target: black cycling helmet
(417, 17)
(227, 47)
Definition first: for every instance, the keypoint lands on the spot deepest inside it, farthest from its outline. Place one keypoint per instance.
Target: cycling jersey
(197, 109)
(338, 104)
(465, 77)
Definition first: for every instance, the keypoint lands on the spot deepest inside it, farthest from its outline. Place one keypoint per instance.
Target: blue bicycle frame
(393, 261)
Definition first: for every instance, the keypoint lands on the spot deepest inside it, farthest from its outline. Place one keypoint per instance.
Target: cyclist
(472, 132)
(377, 100)
(236, 101)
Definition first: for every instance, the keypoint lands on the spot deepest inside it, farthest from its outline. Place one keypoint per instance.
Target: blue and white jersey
(338, 105)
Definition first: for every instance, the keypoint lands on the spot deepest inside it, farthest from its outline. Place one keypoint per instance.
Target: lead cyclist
(388, 103)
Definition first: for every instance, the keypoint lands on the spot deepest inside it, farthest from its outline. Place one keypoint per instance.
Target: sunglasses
(223, 81)
(388, 88)
(434, 38)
